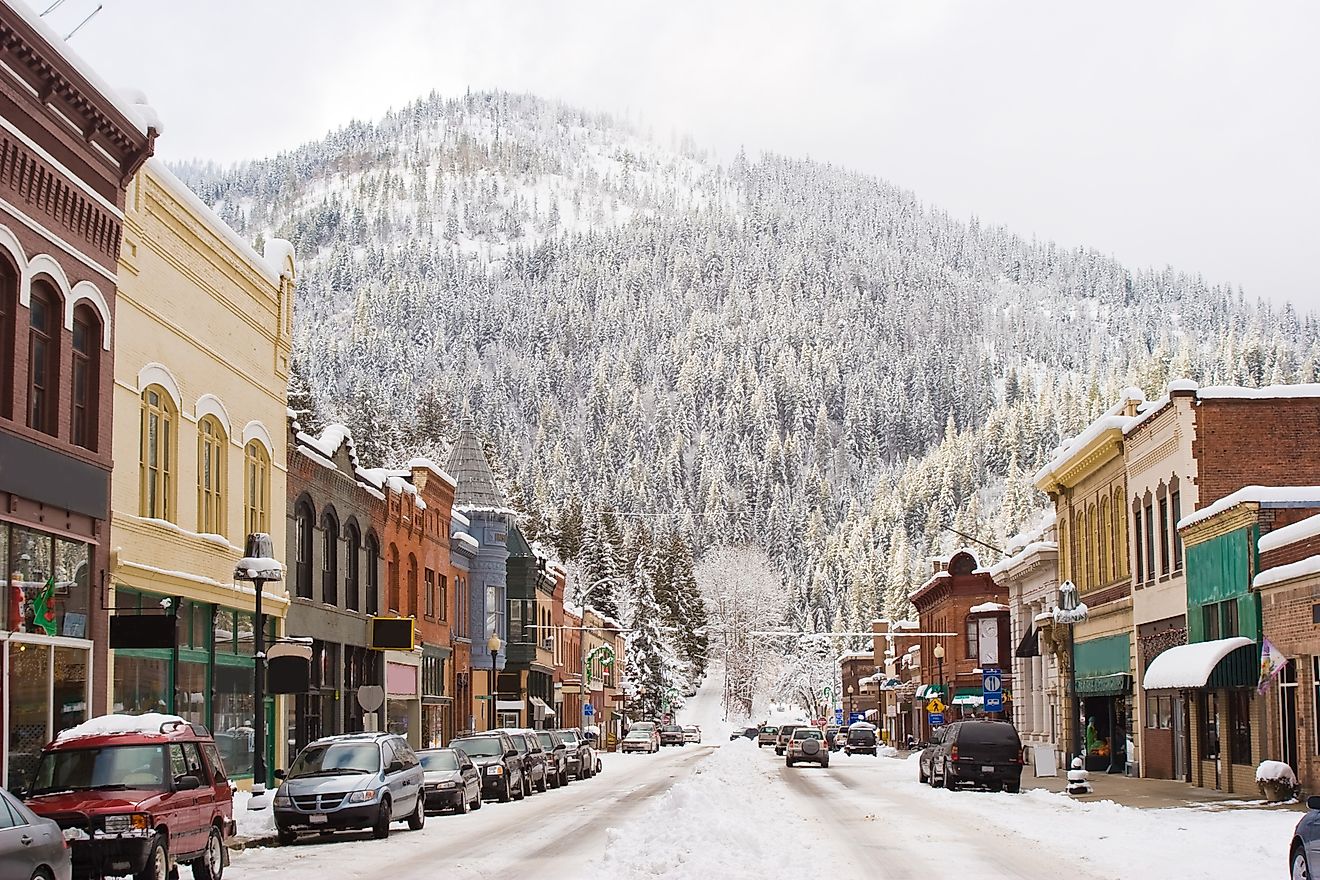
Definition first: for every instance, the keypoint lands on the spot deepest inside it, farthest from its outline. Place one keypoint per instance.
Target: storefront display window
(141, 684)
(397, 716)
(47, 693)
(1239, 724)
(47, 584)
(190, 691)
(234, 717)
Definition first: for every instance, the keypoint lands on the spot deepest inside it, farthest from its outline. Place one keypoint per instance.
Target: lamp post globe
(939, 662)
(493, 645)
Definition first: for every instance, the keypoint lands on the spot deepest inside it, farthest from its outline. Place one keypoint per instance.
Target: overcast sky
(1181, 133)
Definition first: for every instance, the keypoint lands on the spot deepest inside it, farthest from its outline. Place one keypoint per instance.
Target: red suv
(137, 795)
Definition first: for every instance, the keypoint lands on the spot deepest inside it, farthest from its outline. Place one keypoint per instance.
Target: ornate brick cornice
(1237, 517)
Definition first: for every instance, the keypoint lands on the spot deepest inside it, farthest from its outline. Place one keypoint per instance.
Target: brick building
(462, 551)
(860, 691)
(68, 148)
(963, 601)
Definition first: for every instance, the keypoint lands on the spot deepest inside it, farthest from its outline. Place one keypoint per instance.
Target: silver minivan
(354, 781)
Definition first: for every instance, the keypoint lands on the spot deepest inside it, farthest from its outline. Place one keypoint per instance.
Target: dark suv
(536, 773)
(581, 759)
(977, 752)
(137, 795)
(498, 761)
(671, 735)
(556, 756)
(861, 739)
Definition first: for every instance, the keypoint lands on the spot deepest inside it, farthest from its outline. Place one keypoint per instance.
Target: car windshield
(480, 746)
(642, 725)
(442, 760)
(519, 743)
(672, 728)
(110, 767)
(336, 759)
(638, 734)
(547, 742)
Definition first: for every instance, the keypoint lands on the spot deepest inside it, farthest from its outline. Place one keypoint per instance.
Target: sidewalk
(1154, 794)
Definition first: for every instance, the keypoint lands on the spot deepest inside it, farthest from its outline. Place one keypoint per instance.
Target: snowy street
(730, 810)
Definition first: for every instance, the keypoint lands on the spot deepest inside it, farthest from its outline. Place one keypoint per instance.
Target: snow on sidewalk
(726, 820)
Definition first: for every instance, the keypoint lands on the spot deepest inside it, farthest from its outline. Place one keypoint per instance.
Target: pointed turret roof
(468, 464)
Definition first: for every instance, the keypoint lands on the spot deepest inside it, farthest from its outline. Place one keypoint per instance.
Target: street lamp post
(1069, 613)
(493, 645)
(259, 567)
(939, 663)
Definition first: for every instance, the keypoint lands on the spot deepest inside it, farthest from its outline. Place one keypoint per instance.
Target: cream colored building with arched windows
(201, 370)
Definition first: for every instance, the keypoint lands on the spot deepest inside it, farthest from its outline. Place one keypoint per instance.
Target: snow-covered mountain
(770, 351)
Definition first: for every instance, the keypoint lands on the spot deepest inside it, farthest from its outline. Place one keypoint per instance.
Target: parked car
(691, 733)
(838, 741)
(1305, 842)
(751, 733)
(581, 756)
(672, 735)
(450, 780)
(769, 733)
(535, 772)
(30, 845)
(137, 795)
(784, 735)
(350, 782)
(650, 728)
(861, 739)
(498, 761)
(977, 752)
(556, 756)
(639, 741)
(807, 744)
(831, 730)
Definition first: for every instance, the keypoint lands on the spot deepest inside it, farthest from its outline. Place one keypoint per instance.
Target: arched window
(1122, 552)
(303, 525)
(44, 358)
(1092, 545)
(392, 578)
(373, 574)
(1106, 541)
(8, 309)
(256, 488)
(85, 389)
(1079, 549)
(1065, 569)
(352, 567)
(156, 454)
(330, 557)
(411, 598)
(211, 444)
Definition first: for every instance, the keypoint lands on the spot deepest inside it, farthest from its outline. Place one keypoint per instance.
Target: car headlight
(361, 797)
(495, 770)
(126, 822)
(447, 785)
(283, 800)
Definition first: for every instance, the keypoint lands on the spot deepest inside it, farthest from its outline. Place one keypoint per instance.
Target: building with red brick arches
(963, 600)
(68, 148)
(857, 681)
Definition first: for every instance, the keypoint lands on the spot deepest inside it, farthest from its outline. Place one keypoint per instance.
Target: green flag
(43, 615)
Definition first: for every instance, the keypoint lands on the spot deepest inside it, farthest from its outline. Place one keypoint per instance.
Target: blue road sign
(935, 719)
(855, 716)
(588, 710)
(838, 716)
(992, 690)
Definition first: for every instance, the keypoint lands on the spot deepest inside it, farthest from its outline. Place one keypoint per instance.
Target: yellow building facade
(1087, 481)
(201, 370)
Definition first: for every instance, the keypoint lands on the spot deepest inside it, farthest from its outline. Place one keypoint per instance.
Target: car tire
(507, 794)
(210, 865)
(41, 874)
(381, 829)
(951, 785)
(1012, 787)
(1297, 865)
(157, 866)
(462, 806)
(563, 779)
(825, 763)
(520, 791)
(788, 762)
(476, 804)
(544, 785)
(286, 836)
(921, 774)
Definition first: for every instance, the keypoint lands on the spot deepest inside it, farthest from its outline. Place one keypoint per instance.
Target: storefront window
(1208, 709)
(247, 644)
(234, 717)
(141, 684)
(29, 709)
(397, 715)
(190, 691)
(47, 584)
(69, 696)
(1239, 724)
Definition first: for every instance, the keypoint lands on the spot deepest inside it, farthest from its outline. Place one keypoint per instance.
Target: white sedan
(691, 733)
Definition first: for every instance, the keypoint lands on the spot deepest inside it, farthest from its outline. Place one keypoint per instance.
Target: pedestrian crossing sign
(935, 706)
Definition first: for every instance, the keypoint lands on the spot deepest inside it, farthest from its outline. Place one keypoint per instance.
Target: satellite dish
(370, 697)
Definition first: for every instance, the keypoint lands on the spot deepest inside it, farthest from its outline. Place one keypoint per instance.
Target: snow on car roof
(148, 724)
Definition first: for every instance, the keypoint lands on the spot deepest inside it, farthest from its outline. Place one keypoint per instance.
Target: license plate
(985, 769)
(317, 818)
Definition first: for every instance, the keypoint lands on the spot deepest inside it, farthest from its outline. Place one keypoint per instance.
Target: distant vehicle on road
(452, 781)
(650, 728)
(977, 752)
(639, 741)
(861, 739)
(691, 733)
(498, 761)
(672, 735)
(769, 733)
(752, 733)
(1306, 842)
(357, 780)
(785, 734)
(807, 744)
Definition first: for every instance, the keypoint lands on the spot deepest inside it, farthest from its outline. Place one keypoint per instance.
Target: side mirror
(278, 774)
(187, 783)
(511, 753)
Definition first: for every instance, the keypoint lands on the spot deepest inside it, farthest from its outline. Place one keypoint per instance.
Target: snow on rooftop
(987, 608)
(423, 463)
(1266, 496)
(1189, 666)
(1269, 392)
(119, 725)
(1290, 534)
(465, 538)
(1114, 418)
(1280, 573)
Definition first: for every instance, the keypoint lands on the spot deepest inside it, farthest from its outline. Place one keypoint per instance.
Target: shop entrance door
(1288, 714)
(47, 689)
(1182, 765)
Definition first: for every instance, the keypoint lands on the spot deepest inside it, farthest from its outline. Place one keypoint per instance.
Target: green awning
(1111, 655)
(926, 691)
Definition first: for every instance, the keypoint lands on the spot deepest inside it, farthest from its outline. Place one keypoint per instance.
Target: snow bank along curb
(729, 819)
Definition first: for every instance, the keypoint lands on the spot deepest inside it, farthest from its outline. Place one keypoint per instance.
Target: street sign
(935, 706)
(838, 716)
(992, 690)
(936, 719)
(588, 710)
(854, 717)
